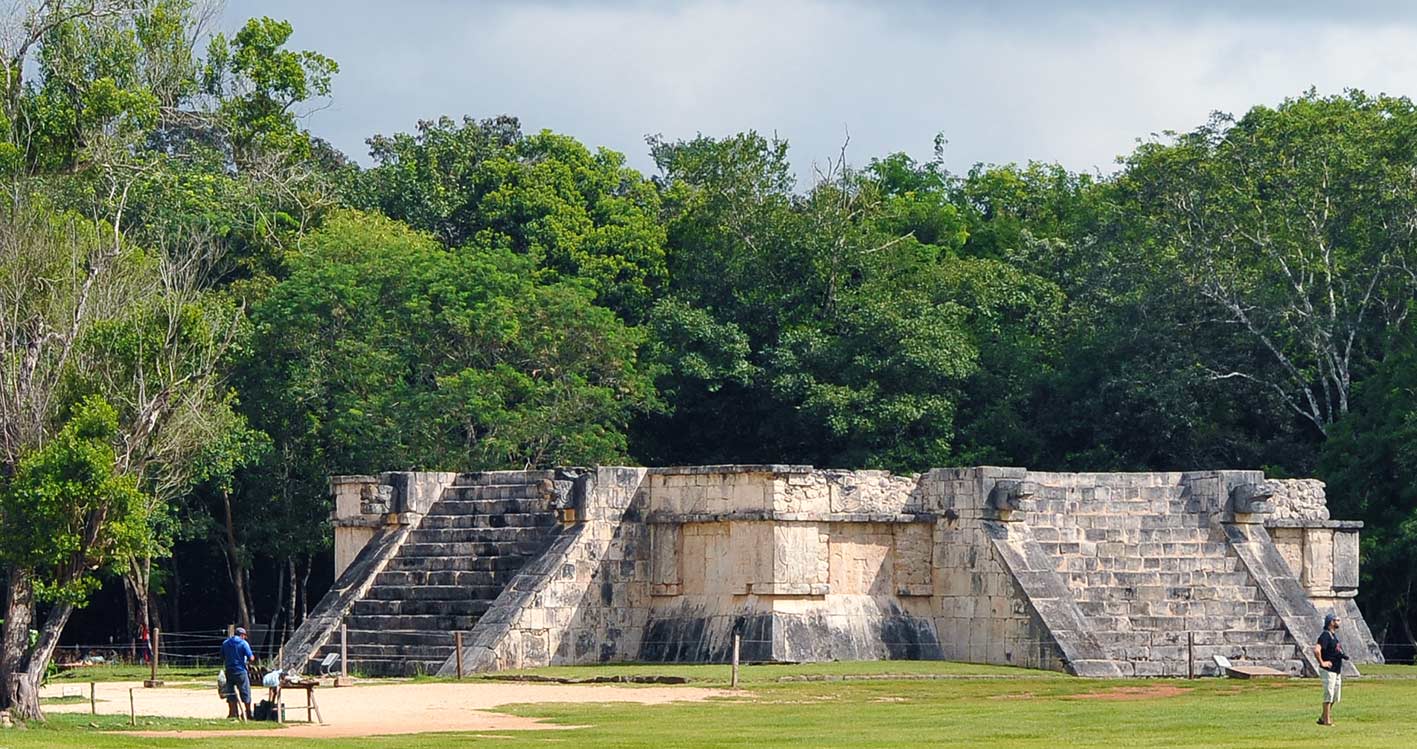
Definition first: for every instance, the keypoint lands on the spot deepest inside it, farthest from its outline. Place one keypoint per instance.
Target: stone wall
(802, 564)
(1299, 499)
(584, 600)
(1098, 574)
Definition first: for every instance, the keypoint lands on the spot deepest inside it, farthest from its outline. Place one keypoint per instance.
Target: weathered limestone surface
(1097, 574)
(442, 548)
(1299, 499)
(583, 600)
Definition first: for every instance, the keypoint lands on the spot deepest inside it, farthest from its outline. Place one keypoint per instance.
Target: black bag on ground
(264, 710)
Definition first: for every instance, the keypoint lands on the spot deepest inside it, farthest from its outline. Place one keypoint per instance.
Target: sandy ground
(375, 709)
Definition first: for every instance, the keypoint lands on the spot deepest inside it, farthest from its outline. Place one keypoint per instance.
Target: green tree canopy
(576, 214)
(384, 348)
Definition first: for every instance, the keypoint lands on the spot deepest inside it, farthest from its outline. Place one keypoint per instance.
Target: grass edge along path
(1008, 708)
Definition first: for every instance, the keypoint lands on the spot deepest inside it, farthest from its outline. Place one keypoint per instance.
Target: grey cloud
(1004, 81)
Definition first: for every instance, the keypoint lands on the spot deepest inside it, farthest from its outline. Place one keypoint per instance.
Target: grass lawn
(967, 706)
(118, 672)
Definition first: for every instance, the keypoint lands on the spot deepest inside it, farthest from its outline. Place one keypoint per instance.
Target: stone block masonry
(1096, 574)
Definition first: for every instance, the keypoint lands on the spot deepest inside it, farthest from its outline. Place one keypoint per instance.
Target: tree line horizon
(207, 311)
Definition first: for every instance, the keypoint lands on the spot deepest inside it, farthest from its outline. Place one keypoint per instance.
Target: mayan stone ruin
(1095, 574)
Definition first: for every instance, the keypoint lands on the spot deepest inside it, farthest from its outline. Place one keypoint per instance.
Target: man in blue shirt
(236, 653)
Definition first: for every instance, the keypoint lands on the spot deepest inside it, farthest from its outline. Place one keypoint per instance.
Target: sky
(1075, 83)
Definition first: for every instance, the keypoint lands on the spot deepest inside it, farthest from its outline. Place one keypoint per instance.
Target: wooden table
(310, 707)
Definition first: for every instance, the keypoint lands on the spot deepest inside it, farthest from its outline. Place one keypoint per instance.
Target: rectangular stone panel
(1345, 560)
(796, 550)
(860, 559)
(1318, 559)
(913, 559)
(666, 544)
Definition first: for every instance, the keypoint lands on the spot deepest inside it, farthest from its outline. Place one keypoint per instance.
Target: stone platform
(1096, 574)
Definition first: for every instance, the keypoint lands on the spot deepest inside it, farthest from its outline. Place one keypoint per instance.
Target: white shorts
(1333, 686)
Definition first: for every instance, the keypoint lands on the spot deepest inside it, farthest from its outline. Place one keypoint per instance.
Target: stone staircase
(1146, 570)
(453, 565)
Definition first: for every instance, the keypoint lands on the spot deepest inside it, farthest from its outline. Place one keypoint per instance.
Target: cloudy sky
(1076, 83)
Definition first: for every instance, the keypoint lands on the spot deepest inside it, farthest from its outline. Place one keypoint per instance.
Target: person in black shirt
(1329, 653)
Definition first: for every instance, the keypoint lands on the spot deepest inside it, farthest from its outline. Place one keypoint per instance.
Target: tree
(574, 213)
(1370, 466)
(199, 158)
(1296, 224)
(67, 512)
(217, 469)
(383, 347)
(842, 325)
(258, 83)
(86, 314)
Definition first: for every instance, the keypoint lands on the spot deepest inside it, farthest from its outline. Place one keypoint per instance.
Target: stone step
(484, 478)
(425, 622)
(531, 491)
(495, 562)
(365, 654)
(1084, 590)
(1117, 575)
(433, 593)
(1215, 639)
(394, 637)
(392, 648)
(417, 578)
(384, 667)
(447, 512)
(469, 547)
(476, 523)
(415, 607)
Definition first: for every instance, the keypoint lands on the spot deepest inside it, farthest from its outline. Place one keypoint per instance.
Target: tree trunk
(142, 609)
(24, 667)
(304, 589)
(290, 610)
(233, 560)
(1407, 634)
(20, 695)
(43, 651)
(274, 630)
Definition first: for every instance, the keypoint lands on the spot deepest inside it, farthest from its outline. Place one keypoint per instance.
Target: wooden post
(93, 703)
(1190, 655)
(737, 641)
(132, 711)
(156, 642)
(343, 678)
(457, 648)
(231, 630)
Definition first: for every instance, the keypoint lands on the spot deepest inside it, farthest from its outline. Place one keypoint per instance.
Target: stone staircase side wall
(1323, 555)
(1053, 612)
(323, 622)
(1277, 583)
(584, 600)
(997, 595)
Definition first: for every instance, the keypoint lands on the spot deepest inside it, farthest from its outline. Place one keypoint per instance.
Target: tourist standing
(236, 654)
(1329, 652)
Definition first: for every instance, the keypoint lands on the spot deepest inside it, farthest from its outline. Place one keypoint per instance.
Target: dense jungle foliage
(206, 311)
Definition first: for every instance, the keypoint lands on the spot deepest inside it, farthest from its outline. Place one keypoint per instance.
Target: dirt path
(380, 709)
